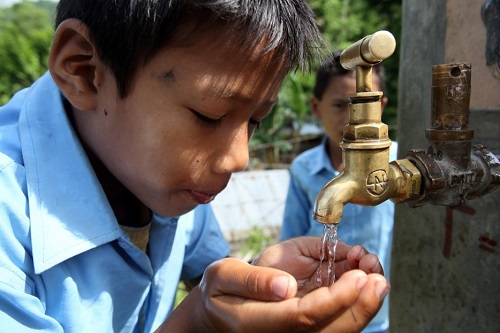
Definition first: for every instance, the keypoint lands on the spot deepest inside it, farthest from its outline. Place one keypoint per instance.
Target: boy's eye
(340, 105)
(206, 121)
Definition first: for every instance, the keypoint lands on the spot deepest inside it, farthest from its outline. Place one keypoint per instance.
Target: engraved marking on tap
(377, 182)
(465, 178)
(456, 91)
(414, 187)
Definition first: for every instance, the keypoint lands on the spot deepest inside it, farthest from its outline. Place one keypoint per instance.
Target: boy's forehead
(239, 72)
(242, 80)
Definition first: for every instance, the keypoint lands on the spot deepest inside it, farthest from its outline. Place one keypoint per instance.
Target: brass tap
(446, 174)
(367, 178)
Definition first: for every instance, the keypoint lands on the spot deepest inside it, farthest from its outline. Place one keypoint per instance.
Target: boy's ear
(74, 64)
(314, 107)
(383, 102)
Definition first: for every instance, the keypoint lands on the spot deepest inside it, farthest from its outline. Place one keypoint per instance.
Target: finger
(359, 258)
(354, 256)
(235, 277)
(370, 264)
(297, 256)
(296, 251)
(342, 251)
(366, 306)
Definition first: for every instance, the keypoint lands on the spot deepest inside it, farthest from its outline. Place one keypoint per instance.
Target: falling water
(329, 241)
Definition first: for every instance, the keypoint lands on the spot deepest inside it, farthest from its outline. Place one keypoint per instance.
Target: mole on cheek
(169, 75)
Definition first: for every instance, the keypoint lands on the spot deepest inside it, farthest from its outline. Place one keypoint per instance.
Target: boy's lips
(202, 197)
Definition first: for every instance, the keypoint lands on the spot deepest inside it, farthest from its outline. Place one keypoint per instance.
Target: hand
(300, 257)
(234, 296)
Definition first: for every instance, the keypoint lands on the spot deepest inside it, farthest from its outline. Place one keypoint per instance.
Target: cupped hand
(237, 297)
(300, 257)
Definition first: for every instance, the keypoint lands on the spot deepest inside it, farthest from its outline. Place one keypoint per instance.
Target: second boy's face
(184, 127)
(333, 109)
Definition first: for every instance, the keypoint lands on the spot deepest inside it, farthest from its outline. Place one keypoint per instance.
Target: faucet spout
(332, 198)
(368, 179)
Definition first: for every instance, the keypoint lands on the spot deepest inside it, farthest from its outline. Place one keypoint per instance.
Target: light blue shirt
(370, 227)
(65, 264)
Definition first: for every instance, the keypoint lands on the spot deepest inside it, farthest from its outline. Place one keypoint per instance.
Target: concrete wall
(446, 263)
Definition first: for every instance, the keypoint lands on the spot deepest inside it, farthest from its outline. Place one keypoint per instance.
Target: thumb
(236, 277)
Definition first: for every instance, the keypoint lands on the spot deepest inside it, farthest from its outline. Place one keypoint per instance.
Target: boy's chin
(176, 210)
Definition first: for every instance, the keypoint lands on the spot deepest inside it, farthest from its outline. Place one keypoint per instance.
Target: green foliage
(181, 294)
(291, 111)
(26, 31)
(257, 240)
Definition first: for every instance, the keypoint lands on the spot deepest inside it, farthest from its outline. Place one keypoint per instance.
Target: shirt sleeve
(205, 245)
(295, 218)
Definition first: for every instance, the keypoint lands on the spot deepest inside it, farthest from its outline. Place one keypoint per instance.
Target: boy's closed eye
(213, 123)
(203, 120)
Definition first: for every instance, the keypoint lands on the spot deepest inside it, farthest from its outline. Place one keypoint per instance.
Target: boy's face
(184, 127)
(332, 110)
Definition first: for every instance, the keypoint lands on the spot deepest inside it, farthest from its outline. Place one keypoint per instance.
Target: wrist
(188, 316)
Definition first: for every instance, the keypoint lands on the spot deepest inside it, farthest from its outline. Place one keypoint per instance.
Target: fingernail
(382, 289)
(361, 283)
(280, 286)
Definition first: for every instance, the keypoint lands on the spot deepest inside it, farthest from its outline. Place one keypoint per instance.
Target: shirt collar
(320, 160)
(69, 211)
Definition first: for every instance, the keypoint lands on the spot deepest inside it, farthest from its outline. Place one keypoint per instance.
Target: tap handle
(368, 51)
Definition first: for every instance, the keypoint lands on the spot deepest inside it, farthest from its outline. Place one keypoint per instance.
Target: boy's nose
(234, 156)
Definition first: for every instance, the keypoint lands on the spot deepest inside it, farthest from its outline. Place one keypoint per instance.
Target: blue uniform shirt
(370, 227)
(65, 264)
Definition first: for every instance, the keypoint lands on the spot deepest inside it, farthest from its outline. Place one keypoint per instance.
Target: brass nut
(412, 179)
(366, 131)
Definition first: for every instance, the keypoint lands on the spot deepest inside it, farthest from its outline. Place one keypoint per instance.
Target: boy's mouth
(202, 197)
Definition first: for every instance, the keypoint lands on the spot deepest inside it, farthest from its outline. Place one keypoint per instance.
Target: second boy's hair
(331, 68)
(128, 33)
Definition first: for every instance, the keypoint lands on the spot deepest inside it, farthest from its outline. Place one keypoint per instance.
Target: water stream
(329, 242)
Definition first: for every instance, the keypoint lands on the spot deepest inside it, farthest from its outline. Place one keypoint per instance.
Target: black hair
(127, 33)
(331, 68)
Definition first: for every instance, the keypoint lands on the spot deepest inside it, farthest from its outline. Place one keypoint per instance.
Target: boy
(311, 170)
(146, 111)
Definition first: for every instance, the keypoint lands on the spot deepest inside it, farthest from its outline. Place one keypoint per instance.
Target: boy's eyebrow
(240, 98)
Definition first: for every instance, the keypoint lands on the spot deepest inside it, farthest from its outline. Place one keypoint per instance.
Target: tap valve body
(452, 169)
